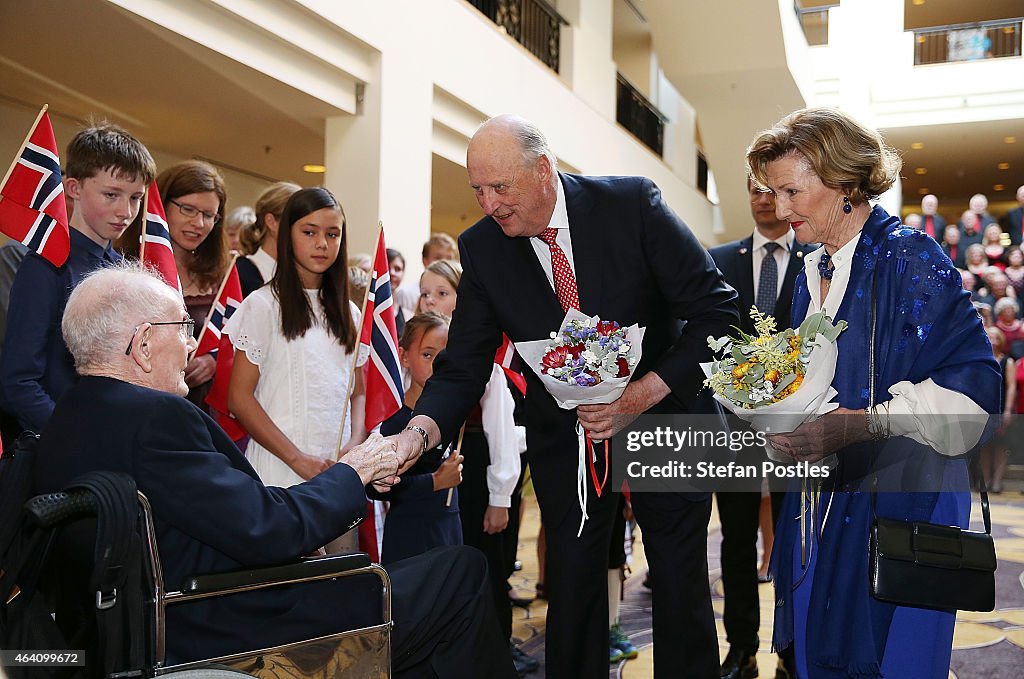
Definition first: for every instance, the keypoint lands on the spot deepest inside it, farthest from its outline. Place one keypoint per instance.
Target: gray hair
(241, 216)
(104, 309)
(1004, 302)
(532, 142)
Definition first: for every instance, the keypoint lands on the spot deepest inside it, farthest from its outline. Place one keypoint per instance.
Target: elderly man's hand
(816, 440)
(604, 421)
(375, 459)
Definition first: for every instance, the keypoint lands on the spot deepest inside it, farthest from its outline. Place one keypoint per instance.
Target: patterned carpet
(986, 645)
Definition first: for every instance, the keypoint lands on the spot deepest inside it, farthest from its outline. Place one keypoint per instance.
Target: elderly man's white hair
(102, 312)
(528, 136)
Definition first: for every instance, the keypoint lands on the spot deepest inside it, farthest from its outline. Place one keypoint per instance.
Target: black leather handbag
(925, 565)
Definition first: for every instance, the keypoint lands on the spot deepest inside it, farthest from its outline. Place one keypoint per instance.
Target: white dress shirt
(560, 221)
(505, 440)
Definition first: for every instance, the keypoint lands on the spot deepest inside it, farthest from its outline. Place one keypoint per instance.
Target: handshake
(379, 460)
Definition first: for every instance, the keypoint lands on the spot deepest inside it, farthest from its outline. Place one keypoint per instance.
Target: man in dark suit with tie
(213, 514)
(609, 246)
(762, 268)
(932, 223)
(1013, 221)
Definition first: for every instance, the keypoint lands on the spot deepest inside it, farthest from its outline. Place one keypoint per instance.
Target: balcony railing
(635, 113)
(534, 24)
(968, 42)
(814, 21)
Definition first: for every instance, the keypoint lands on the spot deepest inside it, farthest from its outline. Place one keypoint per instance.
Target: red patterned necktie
(565, 281)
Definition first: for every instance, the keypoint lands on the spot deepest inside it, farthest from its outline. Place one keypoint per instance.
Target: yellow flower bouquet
(776, 380)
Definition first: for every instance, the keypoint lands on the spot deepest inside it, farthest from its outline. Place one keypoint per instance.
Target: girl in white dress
(294, 340)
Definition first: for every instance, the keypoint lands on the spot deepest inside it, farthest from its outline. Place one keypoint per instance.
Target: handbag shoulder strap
(871, 404)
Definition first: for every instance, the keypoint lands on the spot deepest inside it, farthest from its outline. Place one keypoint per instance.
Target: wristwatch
(422, 432)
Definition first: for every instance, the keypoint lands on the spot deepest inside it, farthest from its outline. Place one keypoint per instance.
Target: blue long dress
(926, 328)
(419, 518)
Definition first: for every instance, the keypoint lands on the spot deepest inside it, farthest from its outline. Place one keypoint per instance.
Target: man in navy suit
(769, 285)
(213, 514)
(611, 247)
(1013, 221)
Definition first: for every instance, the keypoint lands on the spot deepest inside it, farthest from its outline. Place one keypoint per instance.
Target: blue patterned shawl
(926, 328)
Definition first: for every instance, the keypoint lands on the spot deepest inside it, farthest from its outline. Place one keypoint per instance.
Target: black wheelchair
(61, 531)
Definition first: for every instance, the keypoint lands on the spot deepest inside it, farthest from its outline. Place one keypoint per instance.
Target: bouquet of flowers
(776, 381)
(587, 361)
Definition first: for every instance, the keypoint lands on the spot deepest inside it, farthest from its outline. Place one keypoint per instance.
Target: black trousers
(675, 534)
(674, 530)
(738, 512)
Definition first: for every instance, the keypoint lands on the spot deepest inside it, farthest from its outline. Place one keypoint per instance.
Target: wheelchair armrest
(314, 568)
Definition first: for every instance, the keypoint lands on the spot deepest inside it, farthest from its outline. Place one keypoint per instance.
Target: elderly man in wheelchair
(212, 514)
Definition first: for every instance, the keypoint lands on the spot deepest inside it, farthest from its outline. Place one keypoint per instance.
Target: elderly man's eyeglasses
(192, 212)
(187, 329)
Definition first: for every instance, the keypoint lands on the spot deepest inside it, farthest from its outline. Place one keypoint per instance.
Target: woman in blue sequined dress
(933, 365)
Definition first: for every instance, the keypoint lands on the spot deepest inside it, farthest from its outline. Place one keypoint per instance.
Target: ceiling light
(1003, 166)
(920, 170)
(999, 187)
(1009, 140)
(917, 145)
(923, 191)
(314, 169)
(918, 2)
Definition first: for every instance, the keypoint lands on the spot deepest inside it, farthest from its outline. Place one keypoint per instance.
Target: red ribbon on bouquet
(593, 471)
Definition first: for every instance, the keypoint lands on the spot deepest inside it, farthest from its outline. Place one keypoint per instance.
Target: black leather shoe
(524, 664)
(739, 664)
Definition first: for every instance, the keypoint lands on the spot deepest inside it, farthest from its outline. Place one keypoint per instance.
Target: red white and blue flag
(384, 394)
(32, 208)
(506, 357)
(155, 240)
(228, 299)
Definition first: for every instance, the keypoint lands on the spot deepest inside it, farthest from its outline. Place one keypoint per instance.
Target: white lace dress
(302, 385)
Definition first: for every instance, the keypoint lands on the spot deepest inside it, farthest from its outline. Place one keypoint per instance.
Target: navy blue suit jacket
(736, 262)
(1013, 224)
(211, 510)
(635, 261)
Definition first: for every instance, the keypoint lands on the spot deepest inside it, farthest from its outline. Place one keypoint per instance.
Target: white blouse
(303, 382)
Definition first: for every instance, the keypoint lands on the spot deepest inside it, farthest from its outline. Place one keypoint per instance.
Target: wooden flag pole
(213, 306)
(142, 232)
(458, 447)
(24, 144)
(355, 354)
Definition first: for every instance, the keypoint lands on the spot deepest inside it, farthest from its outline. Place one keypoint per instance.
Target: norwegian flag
(228, 299)
(32, 206)
(155, 240)
(384, 393)
(504, 356)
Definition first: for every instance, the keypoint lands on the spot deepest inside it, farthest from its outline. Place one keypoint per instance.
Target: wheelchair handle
(46, 511)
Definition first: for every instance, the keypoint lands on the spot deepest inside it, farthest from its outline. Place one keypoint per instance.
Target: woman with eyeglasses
(193, 195)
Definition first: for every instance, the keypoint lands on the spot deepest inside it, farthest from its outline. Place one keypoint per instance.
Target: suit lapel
(589, 245)
(744, 276)
(532, 285)
(796, 263)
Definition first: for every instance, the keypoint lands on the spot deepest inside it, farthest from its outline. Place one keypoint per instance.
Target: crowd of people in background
(988, 253)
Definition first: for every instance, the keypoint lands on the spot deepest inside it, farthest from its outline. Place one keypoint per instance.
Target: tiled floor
(986, 645)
